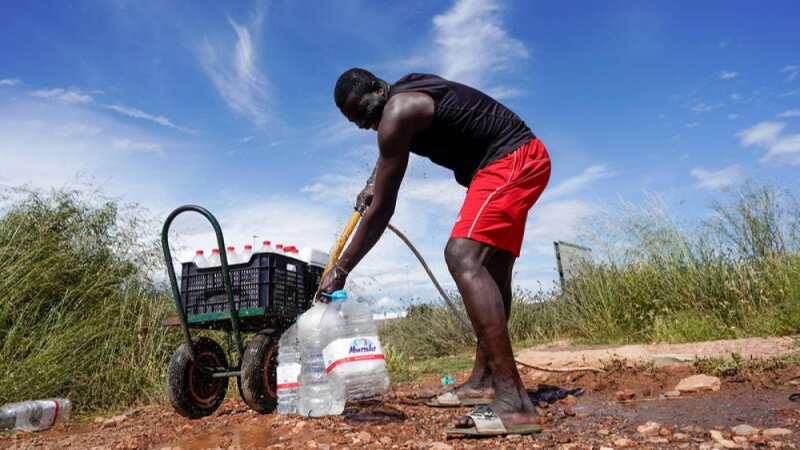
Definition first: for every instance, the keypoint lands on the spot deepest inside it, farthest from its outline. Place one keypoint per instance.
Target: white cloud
(71, 96)
(128, 145)
(575, 184)
(791, 70)
(768, 135)
(786, 149)
(736, 97)
(75, 129)
(763, 134)
(692, 125)
(727, 75)
(139, 114)
(474, 57)
(790, 113)
(733, 116)
(717, 179)
(703, 107)
(9, 81)
(233, 72)
(245, 139)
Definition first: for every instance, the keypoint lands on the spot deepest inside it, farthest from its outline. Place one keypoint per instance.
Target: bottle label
(287, 375)
(354, 354)
(49, 414)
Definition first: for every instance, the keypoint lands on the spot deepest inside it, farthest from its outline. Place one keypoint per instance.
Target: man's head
(361, 96)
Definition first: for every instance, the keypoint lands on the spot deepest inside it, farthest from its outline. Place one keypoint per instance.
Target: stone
(365, 437)
(625, 394)
(441, 446)
(624, 442)
(681, 437)
(697, 383)
(717, 436)
(744, 430)
(649, 429)
(772, 433)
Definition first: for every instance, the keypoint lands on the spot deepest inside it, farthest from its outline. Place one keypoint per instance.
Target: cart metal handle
(225, 277)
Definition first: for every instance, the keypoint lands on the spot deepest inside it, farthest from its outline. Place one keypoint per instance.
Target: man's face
(365, 111)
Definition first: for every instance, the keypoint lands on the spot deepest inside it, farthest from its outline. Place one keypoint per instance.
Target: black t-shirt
(469, 128)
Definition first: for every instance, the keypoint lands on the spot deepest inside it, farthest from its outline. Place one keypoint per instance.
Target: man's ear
(377, 86)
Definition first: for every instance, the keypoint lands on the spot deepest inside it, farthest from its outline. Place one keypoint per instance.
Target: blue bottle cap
(338, 296)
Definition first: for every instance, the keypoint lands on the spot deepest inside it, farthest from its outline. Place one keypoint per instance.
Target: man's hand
(364, 198)
(333, 281)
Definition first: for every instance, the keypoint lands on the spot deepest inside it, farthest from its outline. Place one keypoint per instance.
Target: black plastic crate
(278, 284)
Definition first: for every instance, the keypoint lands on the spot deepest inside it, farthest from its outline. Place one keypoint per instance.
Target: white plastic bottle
(279, 248)
(233, 258)
(34, 415)
(317, 396)
(313, 256)
(200, 260)
(292, 251)
(266, 247)
(353, 354)
(288, 386)
(247, 253)
(214, 260)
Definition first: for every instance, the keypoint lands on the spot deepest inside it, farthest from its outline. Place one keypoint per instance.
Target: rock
(697, 383)
(744, 430)
(365, 437)
(569, 400)
(658, 440)
(624, 442)
(649, 429)
(693, 430)
(624, 395)
(681, 437)
(386, 440)
(604, 432)
(717, 436)
(440, 446)
(568, 411)
(671, 394)
(771, 433)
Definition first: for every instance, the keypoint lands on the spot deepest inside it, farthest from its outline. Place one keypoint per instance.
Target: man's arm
(403, 116)
(366, 195)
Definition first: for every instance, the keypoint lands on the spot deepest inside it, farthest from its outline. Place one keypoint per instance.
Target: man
(493, 153)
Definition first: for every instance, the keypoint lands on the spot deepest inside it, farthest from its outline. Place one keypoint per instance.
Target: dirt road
(623, 407)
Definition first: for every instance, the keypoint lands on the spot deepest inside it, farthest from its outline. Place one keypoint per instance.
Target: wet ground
(602, 417)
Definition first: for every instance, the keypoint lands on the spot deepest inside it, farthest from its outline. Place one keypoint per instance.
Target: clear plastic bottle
(317, 396)
(247, 253)
(353, 353)
(34, 415)
(266, 247)
(214, 260)
(288, 385)
(230, 253)
(279, 248)
(200, 260)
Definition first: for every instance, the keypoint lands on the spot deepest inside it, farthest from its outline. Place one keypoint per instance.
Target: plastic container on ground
(214, 260)
(288, 386)
(316, 392)
(313, 256)
(34, 415)
(353, 353)
(200, 260)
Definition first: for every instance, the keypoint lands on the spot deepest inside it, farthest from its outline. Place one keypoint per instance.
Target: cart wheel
(258, 381)
(195, 394)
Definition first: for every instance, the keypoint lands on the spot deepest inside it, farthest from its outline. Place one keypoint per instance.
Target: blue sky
(229, 105)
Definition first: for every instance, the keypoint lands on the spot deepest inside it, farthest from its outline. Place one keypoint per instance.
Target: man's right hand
(364, 198)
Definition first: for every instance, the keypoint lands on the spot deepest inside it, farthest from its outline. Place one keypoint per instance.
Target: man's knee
(462, 256)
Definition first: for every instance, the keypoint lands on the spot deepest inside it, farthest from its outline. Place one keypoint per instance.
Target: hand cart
(261, 296)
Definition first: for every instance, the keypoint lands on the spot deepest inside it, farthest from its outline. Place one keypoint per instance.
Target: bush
(79, 315)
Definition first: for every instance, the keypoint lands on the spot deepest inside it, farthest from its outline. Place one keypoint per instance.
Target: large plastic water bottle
(353, 353)
(317, 396)
(266, 247)
(200, 260)
(288, 385)
(34, 415)
(214, 260)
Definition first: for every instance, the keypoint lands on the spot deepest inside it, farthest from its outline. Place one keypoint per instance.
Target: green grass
(653, 278)
(736, 365)
(79, 315)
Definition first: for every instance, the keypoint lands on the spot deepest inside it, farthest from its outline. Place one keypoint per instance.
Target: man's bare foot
(509, 415)
(469, 391)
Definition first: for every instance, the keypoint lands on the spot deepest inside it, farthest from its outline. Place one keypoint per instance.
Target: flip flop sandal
(451, 400)
(487, 423)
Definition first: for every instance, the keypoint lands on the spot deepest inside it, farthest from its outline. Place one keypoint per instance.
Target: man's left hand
(333, 281)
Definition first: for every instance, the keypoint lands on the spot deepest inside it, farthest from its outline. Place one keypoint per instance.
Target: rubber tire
(258, 382)
(193, 393)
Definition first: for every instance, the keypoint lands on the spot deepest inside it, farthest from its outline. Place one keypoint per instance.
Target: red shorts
(498, 199)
